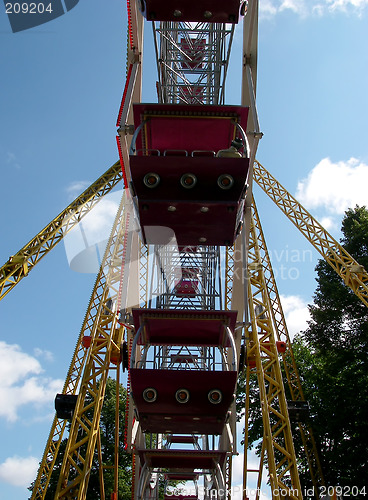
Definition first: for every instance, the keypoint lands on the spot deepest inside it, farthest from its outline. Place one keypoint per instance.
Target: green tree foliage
(107, 427)
(332, 356)
(255, 430)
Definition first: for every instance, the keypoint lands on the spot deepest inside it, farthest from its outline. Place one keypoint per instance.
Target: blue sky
(61, 88)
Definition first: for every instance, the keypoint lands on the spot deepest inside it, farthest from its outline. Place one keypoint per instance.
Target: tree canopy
(332, 356)
(332, 359)
(107, 427)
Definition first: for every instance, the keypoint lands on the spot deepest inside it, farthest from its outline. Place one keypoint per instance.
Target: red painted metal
(180, 497)
(189, 476)
(192, 94)
(127, 405)
(183, 439)
(130, 25)
(188, 222)
(205, 214)
(167, 415)
(189, 127)
(207, 169)
(182, 459)
(129, 74)
(86, 341)
(280, 346)
(125, 180)
(251, 362)
(187, 285)
(186, 288)
(193, 53)
(214, 11)
(183, 327)
(189, 225)
(115, 357)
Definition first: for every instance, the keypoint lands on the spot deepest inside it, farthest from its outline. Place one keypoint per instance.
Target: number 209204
(24, 8)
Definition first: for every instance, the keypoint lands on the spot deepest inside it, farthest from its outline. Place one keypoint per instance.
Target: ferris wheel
(185, 301)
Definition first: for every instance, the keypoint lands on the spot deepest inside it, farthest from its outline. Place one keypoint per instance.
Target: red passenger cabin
(213, 11)
(188, 460)
(183, 392)
(187, 285)
(187, 464)
(177, 179)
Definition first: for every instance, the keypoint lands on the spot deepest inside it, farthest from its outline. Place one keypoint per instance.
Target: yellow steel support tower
(261, 346)
(106, 340)
(352, 273)
(287, 358)
(20, 264)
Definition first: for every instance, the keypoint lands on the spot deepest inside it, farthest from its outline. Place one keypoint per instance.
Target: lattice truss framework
(261, 346)
(200, 267)
(287, 358)
(192, 61)
(21, 263)
(93, 317)
(184, 77)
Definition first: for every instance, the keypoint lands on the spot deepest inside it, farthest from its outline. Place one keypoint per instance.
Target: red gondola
(177, 180)
(167, 400)
(214, 11)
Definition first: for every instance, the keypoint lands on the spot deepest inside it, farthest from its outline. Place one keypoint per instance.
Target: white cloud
(328, 223)
(238, 464)
(345, 5)
(85, 243)
(267, 9)
(12, 160)
(98, 222)
(318, 10)
(296, 6)
(296, 313)
(270, 8)
(335, 186)
(43, 353)
(18, 471)
(237, 477)
(16, 364)
(76, 188)
(21, 382)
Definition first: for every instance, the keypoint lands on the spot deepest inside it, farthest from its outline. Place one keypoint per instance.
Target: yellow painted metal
(117, 429)
(278, 440)
(288, 360)
(19, 265)
(229, 275)
(228, 474)
(49, 458)
(246, 429)
(352, 273)
(105, 342)
(105, 336)
(100, 323)
(100, 464)
(261, 465)
(267, 324)
(113, 254)
(143, 274)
